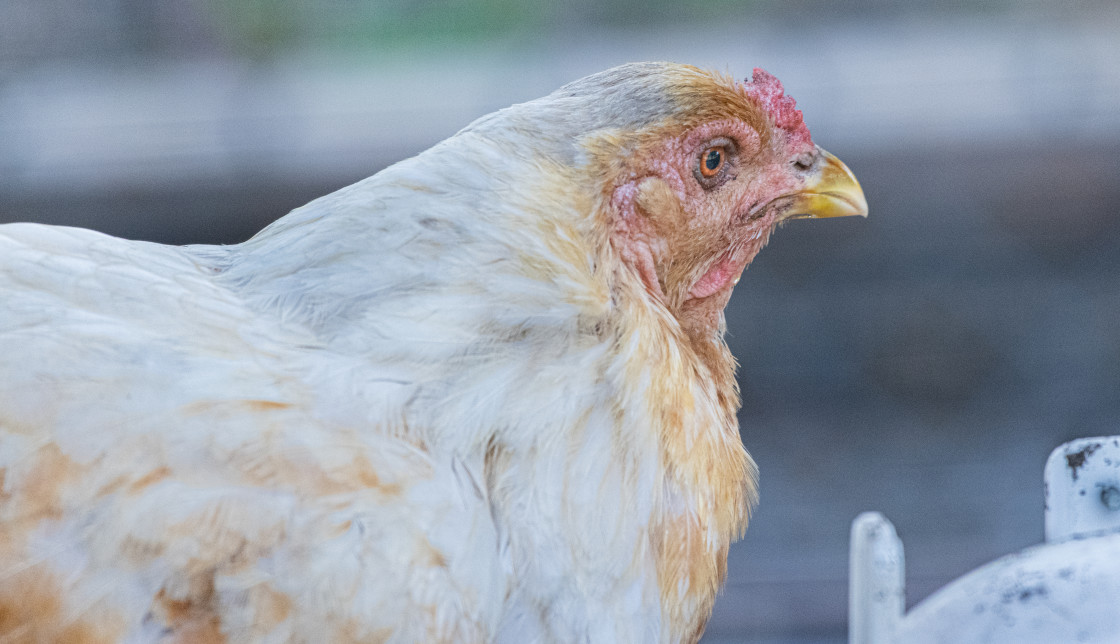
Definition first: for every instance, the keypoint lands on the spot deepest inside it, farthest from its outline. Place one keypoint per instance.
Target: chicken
(480, 396)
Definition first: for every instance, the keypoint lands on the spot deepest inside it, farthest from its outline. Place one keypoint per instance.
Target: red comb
(766, 90)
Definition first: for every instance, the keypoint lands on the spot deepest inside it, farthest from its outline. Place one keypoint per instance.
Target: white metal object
(1083, 488)
(876, 587)
(1065, 590)
(1046, 594)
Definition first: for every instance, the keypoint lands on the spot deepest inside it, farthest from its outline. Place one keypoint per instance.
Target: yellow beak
(832, 191)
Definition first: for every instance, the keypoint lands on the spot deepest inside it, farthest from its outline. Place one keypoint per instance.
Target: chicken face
(699, 194)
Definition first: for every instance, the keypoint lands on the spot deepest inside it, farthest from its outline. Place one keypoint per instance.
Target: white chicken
(481, 396)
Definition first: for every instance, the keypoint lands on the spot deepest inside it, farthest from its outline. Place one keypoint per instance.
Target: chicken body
(480, 396)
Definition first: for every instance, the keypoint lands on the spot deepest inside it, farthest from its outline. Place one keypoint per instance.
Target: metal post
(877, 577)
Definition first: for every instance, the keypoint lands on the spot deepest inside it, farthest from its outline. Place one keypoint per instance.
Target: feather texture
(440, 404)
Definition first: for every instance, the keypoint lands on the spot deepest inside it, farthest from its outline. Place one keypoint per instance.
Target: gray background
(922, 362)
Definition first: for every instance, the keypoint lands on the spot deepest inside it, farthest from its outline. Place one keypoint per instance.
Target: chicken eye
(712, 160)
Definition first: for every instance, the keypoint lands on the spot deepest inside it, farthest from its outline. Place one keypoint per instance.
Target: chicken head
(697, 194)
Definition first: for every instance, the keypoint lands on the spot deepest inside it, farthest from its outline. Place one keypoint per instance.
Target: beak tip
(861, 206)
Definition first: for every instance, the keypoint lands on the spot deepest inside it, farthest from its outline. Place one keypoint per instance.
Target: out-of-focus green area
(36, 30)
(261, 25)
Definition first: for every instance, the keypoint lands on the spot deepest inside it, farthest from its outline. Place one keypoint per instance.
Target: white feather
(380, 419)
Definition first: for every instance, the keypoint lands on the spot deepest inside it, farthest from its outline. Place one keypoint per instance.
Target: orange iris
(711, 161)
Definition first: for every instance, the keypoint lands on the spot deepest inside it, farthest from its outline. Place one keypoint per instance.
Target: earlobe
(658, 203)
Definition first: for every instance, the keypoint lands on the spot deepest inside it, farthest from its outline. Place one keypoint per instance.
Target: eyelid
(721, 141)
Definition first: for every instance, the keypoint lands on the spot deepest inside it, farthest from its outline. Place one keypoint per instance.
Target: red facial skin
(689, 242)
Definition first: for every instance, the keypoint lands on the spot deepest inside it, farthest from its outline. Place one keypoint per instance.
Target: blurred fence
(115, 124)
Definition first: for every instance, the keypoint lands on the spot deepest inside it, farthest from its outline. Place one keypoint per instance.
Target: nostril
(804, 161)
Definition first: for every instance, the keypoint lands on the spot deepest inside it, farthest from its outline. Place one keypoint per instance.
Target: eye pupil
(713, 160)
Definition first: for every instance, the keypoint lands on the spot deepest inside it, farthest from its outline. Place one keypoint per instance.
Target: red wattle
(715, 279)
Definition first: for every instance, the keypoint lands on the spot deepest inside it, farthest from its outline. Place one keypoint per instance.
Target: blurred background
(922, 362)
